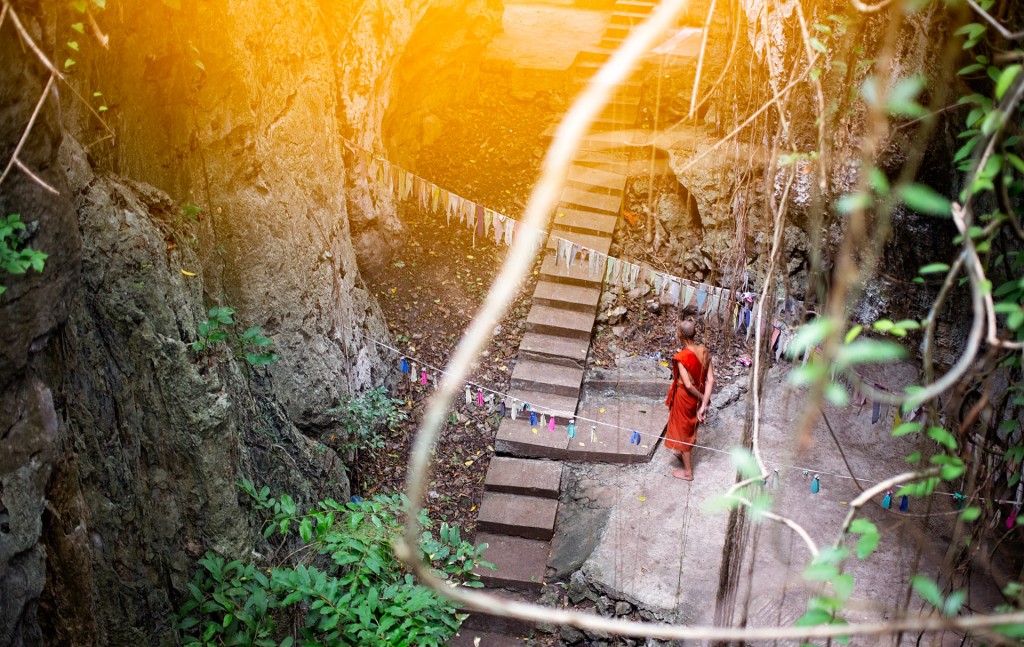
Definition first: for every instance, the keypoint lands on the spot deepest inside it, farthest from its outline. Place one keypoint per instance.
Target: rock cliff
(120, 445)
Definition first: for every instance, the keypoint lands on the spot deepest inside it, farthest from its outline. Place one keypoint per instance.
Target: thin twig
(28, 127)
(35, 178)
(700, 58)
(1003, 31)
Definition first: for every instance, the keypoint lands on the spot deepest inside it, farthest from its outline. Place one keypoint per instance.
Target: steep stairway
(520, 504)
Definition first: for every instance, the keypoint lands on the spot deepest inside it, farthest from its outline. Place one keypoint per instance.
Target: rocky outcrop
(154, 436)
(397, 65)
(32, 311)
(134, 441)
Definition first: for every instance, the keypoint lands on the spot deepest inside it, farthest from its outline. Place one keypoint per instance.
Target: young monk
(692, 380)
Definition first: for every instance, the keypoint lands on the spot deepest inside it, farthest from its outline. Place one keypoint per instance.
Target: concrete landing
(529, 478)
(521, 516)
(518, 438)
(610, 444)
(520, 564)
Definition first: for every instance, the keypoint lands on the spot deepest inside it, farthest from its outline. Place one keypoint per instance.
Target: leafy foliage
(15, 257)
(221, 328)
(344, 587)
(365, 416)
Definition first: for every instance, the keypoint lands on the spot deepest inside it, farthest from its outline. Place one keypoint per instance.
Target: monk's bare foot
(680, 473)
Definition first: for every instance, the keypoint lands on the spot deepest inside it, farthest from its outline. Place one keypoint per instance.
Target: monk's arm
(688, 382)
(709, 384)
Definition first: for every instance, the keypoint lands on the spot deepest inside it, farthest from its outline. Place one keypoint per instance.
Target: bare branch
(31, 122)
(1003, 31)
(35, 178)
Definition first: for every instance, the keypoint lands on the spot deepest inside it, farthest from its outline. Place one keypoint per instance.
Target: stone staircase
(520, 504)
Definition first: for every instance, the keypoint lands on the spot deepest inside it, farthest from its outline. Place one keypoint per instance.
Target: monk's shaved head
(686, 330)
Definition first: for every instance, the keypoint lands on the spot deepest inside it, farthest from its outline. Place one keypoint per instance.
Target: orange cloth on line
(682, 412)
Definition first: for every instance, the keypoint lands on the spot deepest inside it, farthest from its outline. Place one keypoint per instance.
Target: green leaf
(744, 462)
(853, 202)
(903, 98)
(926, 200)
(1006, 79)
(809, 335)
(69, 63)
(837, 394)
(943, 437)
(869, 351)
(970, 514)
(306, 530)
(816, 45)
(79, 27)
(927, 590)
(73, 45)
(852, 333)
(934, 268)
(907, 428)
(813, 618)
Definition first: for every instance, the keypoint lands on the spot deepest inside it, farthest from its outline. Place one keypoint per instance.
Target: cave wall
(120, 446)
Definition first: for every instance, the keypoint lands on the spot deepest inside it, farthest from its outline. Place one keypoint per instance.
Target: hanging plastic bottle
(533, 418)
(887, 501)
(815, 484)
(904, 503)
(571, 429)
(423, 377)
(551, 426)
(405, 366)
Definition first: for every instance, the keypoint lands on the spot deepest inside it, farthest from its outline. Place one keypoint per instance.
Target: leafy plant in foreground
(340, 583)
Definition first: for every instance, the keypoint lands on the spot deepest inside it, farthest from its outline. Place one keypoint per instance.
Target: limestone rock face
(32, 311)
(121, 446)
(154, 435)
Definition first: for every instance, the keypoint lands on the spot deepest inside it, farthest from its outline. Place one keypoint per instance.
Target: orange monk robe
(682, 416)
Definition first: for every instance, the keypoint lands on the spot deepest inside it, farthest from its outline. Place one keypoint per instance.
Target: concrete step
(596, 180)
(521, 476)
(597, 243)
(484, 623)
(578, 274)
(573, 198)
(622, 16)
(611, 162)
(478, 638)
(635, 6)
(528, 517)
(518, 438)
(553, 320)
(553, 349)
(561, 406)
(570, 297)
(585, 222)
(598, 54)
(547, 378)
(521, 563)
(610, 442)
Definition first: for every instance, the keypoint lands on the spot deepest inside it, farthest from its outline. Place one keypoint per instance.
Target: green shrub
(365, 416)
(16, 258)
(252, 345)
(340, 583)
